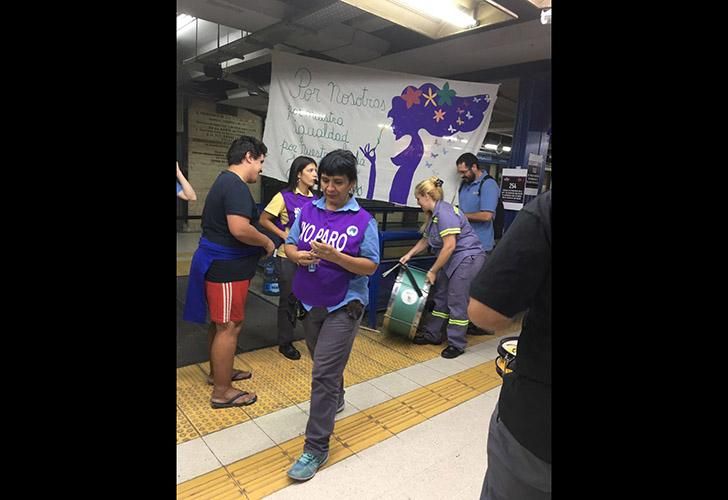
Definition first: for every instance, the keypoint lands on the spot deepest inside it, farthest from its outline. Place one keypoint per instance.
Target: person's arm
(485, 317)
(266, 222)
(187, 192)
(363, 265)
(244, 231)
(482, 216)
(298, 257)
(419, 247)
(488, 203)
(448, 246)
(357, 265)
(274, 210)
(509, 279)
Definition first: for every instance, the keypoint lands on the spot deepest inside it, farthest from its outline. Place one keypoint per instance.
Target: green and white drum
(407, 302)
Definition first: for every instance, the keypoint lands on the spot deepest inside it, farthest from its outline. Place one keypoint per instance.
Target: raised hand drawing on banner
(371, 155)
(439, 114)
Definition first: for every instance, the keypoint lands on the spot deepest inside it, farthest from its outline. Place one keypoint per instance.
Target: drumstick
(386, 273)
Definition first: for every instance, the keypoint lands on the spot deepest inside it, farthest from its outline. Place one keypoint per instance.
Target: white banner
(402, 128)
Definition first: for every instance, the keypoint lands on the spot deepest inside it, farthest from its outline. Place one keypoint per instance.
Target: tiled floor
(439, 454)
(443, 456)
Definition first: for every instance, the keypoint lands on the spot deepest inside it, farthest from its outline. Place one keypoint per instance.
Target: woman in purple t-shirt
(278, 217)
(336, 246)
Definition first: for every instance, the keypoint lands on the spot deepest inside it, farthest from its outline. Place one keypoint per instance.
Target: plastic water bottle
(312, 267)
(270, 279)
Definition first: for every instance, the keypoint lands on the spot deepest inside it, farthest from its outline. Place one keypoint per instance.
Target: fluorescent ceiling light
(442, 10)
(437, 18)
(497, 148)
(183, 20)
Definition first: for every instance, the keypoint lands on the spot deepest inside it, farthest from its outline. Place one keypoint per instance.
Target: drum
(507, 350)
(407, 302)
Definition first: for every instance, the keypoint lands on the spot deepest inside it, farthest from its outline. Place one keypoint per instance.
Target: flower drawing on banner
(430, 97)
(410, 116)
(411, 96)
(446, 95)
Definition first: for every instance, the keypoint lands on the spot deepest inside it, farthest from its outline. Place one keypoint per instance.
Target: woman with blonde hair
(459, 258)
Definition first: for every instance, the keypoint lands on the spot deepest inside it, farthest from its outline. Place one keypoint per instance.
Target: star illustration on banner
(460, 111)
(412, 96)
(476, 99)
(459, 121)
(439, 115)
(430, 97)
(446, 94)
(469, 115)
(450, 129)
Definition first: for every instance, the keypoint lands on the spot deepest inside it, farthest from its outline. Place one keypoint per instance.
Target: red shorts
(226, 300)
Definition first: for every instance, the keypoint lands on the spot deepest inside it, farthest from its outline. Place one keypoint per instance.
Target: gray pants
(451, 297)
(286, 300)
(329, 337)
(513, 471)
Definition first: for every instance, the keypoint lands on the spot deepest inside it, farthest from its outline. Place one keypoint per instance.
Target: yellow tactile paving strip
(284, 376)
(263, 384)
(264, 473)
(387, 357)
(280, 383)
(185, 430)
(193, 400)
(216, 484)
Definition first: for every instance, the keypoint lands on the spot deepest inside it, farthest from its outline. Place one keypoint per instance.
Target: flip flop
(237, 375)
(230, 403)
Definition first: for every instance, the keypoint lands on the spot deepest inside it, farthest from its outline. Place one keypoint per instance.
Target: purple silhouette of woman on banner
(440, 113)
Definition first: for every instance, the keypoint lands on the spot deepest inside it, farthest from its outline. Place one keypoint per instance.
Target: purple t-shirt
(343, 230)
(293, 202)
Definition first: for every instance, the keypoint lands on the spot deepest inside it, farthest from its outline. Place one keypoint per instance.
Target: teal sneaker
(306, 466)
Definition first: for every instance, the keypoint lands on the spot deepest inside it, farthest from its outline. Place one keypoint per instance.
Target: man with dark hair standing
(476, 201)
(224, 263)
(515, 278)
(478, 198)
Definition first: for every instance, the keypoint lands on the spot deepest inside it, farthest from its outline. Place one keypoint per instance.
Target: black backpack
(499, 209)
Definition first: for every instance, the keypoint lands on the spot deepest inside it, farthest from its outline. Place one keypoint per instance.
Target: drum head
(405, 307)
(507, 347)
